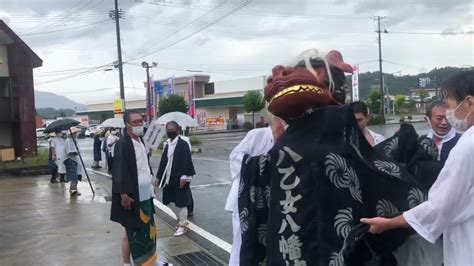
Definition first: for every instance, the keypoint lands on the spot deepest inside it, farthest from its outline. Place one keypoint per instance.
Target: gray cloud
(247, 43)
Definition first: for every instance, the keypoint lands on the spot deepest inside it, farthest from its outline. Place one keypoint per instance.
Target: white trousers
(418, 251)
(61, 167)
(181, 214)
(236, 241)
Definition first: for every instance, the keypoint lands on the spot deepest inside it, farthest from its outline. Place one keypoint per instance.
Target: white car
(90, 131)
(40, 133)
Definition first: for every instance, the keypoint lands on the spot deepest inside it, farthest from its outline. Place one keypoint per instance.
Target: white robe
(256, 142)
(449, 210)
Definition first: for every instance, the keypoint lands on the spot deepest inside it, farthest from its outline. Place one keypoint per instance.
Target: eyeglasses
(138, 122)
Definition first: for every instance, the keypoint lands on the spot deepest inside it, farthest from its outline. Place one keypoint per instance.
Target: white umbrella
(182, 119)
(113, 122)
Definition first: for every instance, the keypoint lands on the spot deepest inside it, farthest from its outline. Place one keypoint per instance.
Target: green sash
(142, 242)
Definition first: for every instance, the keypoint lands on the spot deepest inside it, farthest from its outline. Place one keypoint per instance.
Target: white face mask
(460, 125)
(434, 131)
(138, 130)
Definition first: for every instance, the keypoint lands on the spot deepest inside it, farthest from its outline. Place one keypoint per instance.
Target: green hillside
(400, 84)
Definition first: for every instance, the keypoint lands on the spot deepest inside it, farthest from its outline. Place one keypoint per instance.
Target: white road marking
(210, 237)
(209, 159)
(241, 137)
(98, 172)
(211, 185)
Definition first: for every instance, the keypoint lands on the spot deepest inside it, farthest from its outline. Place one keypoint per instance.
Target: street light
(149, 94)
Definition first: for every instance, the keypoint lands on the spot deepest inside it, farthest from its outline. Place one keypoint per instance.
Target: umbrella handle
(82, 162)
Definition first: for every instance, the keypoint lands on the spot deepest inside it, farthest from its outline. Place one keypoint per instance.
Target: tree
(373, 101)
(423, 95)
(253, 102)
(173, 103)
(400, 101)
(62, 114)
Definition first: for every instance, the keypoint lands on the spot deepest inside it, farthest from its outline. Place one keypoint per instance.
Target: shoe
(54, 181)
(75, 193)
(181, 231)
(98, 166)
(162, 263)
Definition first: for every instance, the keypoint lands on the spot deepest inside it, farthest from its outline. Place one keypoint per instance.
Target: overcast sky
(230, 39)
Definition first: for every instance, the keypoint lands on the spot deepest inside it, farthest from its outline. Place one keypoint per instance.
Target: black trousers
(110, 163)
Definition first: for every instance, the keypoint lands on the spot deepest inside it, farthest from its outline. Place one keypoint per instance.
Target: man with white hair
(257, 142)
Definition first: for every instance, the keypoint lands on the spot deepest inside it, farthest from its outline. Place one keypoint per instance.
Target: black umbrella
(60, 125)
(66, 124)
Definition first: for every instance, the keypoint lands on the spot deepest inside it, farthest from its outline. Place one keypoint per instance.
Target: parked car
(40, 133)
(90, 131)
(82, 133)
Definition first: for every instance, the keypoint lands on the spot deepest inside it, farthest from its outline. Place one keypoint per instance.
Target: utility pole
(117, 14)
(382, 90)
(150, 95)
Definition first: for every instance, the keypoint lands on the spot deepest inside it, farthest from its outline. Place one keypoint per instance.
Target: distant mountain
(400, 84)
(47, 99)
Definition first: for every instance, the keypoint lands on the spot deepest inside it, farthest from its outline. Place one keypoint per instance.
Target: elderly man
(257, 142)
(441, 132)
(132, 192)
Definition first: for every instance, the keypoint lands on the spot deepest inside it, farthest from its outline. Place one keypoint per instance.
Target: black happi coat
(182, 165)
(420, 155)
(301, 204)
(125, 180)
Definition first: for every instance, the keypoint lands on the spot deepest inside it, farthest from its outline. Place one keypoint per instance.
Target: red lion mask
(291, 91)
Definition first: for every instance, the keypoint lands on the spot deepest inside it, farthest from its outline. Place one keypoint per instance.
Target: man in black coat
(132, 194)
(175, 175)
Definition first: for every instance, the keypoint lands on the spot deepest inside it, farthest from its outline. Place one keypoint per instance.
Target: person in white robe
(257, 142)
(449, 210)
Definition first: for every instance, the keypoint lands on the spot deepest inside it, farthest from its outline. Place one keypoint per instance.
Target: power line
(66, 29)
(432, 33)
(258, 12)
(57, 16)
(87, 72)
(220, 18)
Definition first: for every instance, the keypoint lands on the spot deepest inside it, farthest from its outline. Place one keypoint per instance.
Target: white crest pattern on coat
(430, 147)
(267, 194)
(336, 259)
(262, 162)
(256, 196)
(386, 208)
(388, 167)
(415, 197)
(244, 221)
(342, 222)
(390, 148)
(241, 186)
(342, 175)
(262, 234)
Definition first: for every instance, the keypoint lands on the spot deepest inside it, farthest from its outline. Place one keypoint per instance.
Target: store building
(17, 102)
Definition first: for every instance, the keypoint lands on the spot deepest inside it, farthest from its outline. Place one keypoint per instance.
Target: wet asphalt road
(211, 184)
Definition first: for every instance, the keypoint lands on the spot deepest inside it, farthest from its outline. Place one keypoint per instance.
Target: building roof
(8, 36)
(219, 102)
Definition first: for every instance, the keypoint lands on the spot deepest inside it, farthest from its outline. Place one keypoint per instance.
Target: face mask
(138, 130)
(458, 124)
(433, 131)
(113, 133)
(172, 134)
